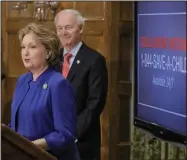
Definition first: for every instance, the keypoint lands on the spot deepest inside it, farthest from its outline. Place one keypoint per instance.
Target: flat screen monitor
(160, 69)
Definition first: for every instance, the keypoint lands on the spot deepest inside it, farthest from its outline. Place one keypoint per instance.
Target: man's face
(68, 30)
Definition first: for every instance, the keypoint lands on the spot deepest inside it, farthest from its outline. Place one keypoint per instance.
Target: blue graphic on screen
(162, 64)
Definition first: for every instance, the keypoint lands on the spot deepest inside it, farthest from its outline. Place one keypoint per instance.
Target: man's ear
(81, 29)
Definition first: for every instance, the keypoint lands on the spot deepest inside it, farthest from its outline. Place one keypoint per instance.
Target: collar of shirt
(74, 50)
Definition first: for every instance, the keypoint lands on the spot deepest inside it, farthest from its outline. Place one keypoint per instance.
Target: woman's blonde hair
(47, 37)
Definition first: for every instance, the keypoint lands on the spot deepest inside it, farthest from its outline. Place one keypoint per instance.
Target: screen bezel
(155, 129)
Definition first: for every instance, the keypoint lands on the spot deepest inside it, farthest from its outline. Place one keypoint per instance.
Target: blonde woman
(43, 107)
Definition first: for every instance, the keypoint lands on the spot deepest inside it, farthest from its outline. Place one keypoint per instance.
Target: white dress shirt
(74, 52)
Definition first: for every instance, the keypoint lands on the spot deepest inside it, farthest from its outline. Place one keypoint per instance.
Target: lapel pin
(78, 61)
(44, 85)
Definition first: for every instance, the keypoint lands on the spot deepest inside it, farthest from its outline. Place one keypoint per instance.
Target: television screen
(160, 69)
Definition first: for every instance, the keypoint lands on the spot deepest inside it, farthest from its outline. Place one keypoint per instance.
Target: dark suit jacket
(51, 113)
(89, 80)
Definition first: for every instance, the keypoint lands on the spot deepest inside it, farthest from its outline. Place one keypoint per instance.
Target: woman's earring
(47, 56)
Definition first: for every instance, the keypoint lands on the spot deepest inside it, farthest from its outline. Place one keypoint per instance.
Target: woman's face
(33, 53)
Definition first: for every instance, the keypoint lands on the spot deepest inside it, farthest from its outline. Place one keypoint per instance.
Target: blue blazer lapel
(21, 92)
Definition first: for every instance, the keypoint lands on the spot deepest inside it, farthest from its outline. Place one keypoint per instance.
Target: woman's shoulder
(56, 76)
(57, 79)
(58, 84)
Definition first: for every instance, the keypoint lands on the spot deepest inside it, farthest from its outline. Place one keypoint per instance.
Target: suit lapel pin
(45, 86)
(78, 61)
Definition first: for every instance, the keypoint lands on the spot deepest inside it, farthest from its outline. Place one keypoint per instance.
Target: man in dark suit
(86, 70)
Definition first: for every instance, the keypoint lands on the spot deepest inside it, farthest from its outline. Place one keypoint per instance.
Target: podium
(16, 147)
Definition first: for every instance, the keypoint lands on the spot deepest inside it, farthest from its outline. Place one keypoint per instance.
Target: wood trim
(24, 22)
(123, 144)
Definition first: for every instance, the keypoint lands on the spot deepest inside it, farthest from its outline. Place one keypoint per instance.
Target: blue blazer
(51, 113)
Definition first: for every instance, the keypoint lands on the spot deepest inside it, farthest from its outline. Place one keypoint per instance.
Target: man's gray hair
(80, 19)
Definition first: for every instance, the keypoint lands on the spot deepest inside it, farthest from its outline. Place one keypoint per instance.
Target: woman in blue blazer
(43, 106)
